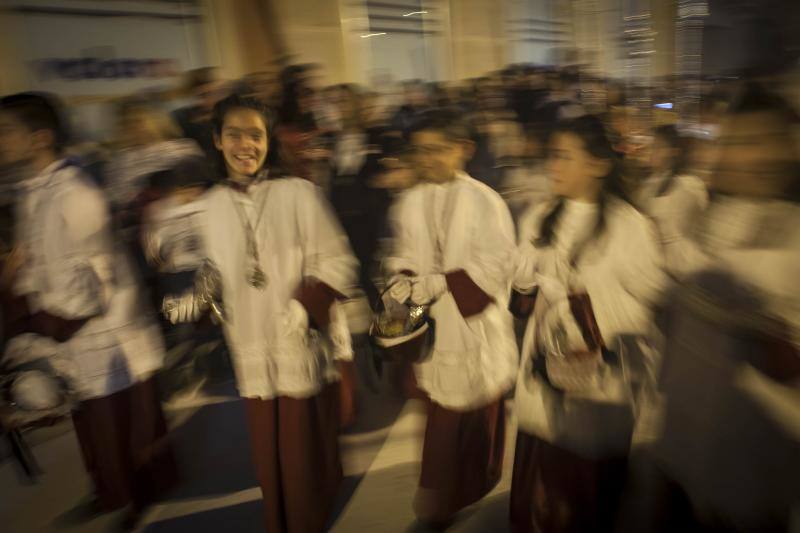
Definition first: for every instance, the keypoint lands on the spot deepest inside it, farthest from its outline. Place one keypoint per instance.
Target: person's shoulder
(76, 185)
(412, 193)
(213, 192)
(290, 185)
(625, 219)
(622, 211)
(408, 200)
(81, 202)
(465, 181)
(691, 184)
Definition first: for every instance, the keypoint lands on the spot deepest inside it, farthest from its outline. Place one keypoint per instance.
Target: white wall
(71, 48)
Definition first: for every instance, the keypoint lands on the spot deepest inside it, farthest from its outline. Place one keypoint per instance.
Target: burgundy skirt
(554, 490)
(462, 459)
(125, 446)
(295, 444)
(347, 395)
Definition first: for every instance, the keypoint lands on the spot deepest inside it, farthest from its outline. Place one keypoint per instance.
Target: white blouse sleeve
(326, 251)
(527, 257)
(491, 263)
(624, 292)
(85, 274)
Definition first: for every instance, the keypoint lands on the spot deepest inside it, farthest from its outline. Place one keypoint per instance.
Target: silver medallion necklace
(255, 274)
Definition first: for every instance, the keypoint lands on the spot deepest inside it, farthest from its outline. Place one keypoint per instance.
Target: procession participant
(593, 262)
(283, 262)
(78, 288)
(729, 451)
(453, 248)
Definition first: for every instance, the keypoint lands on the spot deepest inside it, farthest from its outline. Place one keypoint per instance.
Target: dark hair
(39, 111)
(446, 121)
(238, 101)
(198, 77)
(294, 86)
(670, 135)
(191, 171)
(591, 131)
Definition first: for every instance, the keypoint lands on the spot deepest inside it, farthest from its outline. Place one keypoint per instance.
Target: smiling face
(243, 143)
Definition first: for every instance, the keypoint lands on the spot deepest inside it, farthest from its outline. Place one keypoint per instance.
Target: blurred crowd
(677, 216)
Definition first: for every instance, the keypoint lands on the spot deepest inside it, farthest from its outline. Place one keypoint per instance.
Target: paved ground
(380, 455)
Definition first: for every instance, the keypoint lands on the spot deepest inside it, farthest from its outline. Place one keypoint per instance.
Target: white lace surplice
(443, 228)
(74, 271)
(298, 237)
(621, 272)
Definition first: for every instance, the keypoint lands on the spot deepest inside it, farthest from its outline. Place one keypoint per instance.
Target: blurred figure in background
(672, 198)
(354, 165)
(80, 289)
(174, 251)
(523, 181)
(264, 85)
(148, 141)
(395, 174)
(416, 101)
(280, 282)
(299, 147)
(204, 88)
(592, 264)
(728, 456)
(453, 250)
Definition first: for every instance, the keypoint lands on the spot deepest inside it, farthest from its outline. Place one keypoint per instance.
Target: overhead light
(416, 13)
(373, 34)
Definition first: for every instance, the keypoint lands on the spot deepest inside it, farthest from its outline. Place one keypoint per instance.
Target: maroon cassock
(125, 446)
(462, 457)
(295, 442)
(556, 490)
(123, 437)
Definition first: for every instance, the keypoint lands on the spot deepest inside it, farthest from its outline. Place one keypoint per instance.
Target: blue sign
(92, 68)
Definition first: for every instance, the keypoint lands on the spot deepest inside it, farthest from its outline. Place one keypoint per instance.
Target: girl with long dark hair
(592, 261)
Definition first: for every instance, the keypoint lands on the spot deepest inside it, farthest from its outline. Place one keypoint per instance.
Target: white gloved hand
(339, 334)
(559, 333)
(425, 289)
(181, 309)
(295, 319)
(400, 289)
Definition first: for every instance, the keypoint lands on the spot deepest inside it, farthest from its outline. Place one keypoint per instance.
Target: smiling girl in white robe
(282, 261)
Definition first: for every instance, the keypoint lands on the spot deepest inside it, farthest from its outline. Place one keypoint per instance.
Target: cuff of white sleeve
(298, 314)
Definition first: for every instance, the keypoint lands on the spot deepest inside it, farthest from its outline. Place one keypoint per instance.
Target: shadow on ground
(213, 451)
